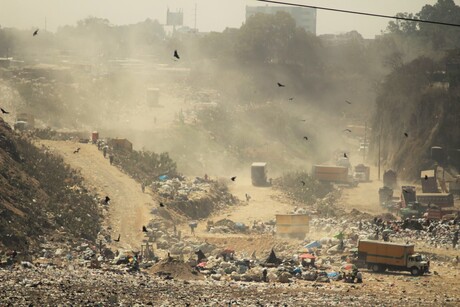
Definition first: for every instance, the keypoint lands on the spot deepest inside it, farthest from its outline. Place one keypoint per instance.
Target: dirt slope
(129, 208)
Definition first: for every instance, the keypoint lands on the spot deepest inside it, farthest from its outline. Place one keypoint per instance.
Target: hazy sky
(212, 15)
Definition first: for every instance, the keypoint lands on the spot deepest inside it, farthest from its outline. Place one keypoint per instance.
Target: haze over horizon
(211, 15)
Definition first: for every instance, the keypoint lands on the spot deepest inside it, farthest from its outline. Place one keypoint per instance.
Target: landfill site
(268, 163)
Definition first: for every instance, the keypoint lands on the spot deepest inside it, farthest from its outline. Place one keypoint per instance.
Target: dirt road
(129, 208)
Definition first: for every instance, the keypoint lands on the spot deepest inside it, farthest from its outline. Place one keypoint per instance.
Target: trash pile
(226, 266)
(424, 232)
(182, 190)
(196, 198)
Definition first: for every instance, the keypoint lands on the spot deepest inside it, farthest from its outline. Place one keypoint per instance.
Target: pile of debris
(182, 190)
(196, 198)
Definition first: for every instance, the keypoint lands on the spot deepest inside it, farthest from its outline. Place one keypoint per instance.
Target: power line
(361, 13)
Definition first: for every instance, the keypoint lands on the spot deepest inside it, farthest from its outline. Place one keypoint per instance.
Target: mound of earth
(39, 196)
(175, 269)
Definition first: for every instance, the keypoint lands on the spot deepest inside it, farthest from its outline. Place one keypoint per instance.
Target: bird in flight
(162, 205)
(347, 130)
(76, 150)
(144, 229)
(406, 134)
(233, 178)
(291, 99)
(347, 101)
(303, 182)
(280, 85)
(306, 138)
(303, 120)
(107, 199)
(176, 55)
(4, 112)
(35, 33)
(345, 155)
(118, 240)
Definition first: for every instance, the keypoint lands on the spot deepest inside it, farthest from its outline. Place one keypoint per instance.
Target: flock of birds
(176, 58)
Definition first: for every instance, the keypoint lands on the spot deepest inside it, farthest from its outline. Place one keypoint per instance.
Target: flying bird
(292, 98)
(303, 120)
(306, 138)
(426, 177)
(176, 55)
(35, 33)
(347, 101)
(4, 112)
(347, 130)
(280, 85)
(161, 205)
(406, 135)
(345, 155)
(76, 150)
(144, 229)
(303, 182)
(233, 178)
(118, 240)
(107, 199)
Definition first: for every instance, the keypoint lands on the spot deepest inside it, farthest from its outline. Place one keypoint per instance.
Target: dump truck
(333, 174)
(380, 256)
(362, 173)
(442, 200)
(259, 174)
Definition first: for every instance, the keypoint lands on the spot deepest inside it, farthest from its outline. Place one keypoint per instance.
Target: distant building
(304, 17)
(174, 18)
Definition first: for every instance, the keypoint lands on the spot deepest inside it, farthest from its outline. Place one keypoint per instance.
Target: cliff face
(414, 100)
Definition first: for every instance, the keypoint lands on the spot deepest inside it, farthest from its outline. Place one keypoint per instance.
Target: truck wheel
(375, 268)
(415, 271)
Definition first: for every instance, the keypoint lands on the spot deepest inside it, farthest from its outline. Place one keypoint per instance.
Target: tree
(267, 38)
(438, 36)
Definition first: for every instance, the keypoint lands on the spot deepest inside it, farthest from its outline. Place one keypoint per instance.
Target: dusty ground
(129, 208)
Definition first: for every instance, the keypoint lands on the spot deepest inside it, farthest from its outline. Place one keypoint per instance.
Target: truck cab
(418, 264)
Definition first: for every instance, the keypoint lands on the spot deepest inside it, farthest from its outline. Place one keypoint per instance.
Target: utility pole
(195, 18)
(380, 136)
(365, 142)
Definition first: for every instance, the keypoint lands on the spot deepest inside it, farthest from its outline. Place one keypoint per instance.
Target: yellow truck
(380, 256)
(333, 174)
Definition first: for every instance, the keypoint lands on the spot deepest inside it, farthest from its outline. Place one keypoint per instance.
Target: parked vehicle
(441, 200)
(362, 173)
(333, 174)
(380, 256)
(259, 174)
